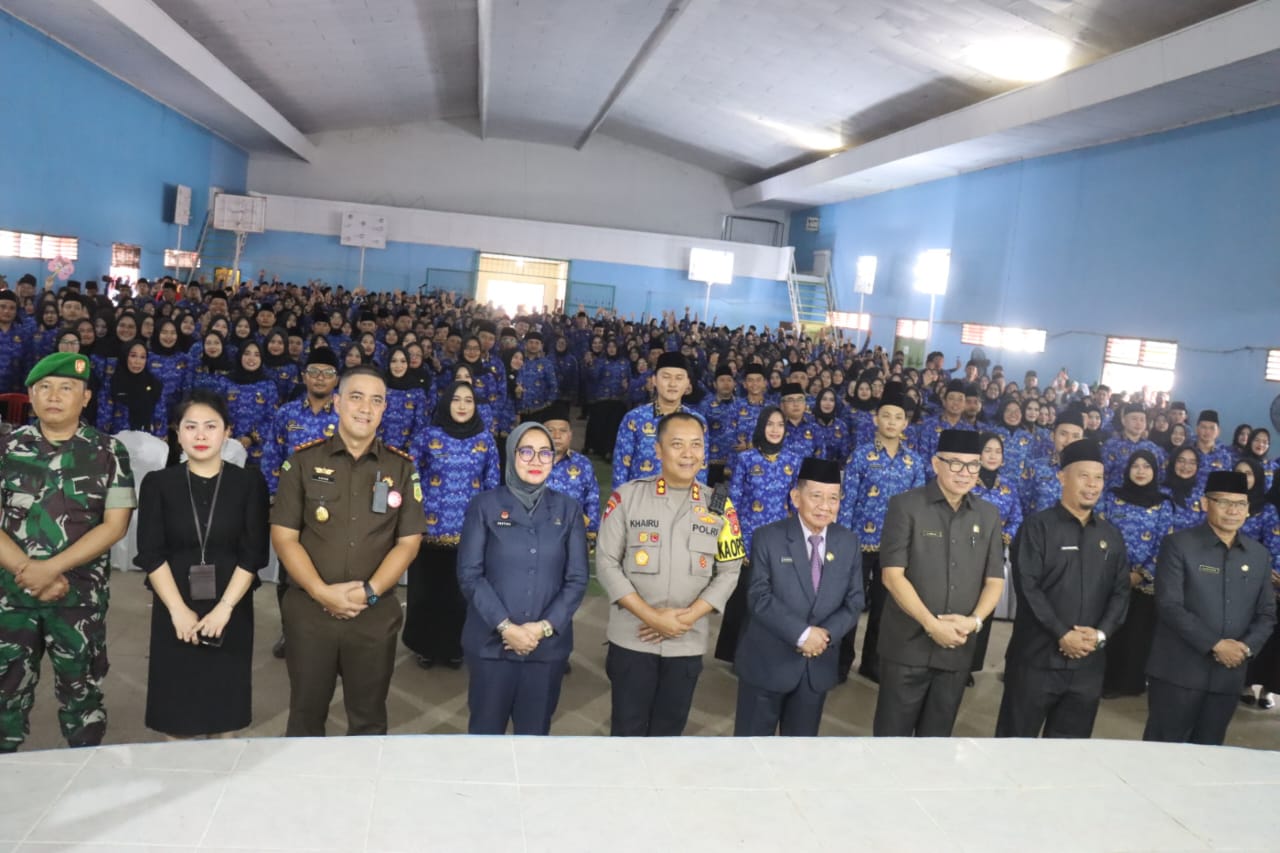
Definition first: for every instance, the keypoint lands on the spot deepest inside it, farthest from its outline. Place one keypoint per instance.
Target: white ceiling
(748, 88)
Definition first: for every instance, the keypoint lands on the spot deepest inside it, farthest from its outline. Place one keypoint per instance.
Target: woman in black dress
(202, 537)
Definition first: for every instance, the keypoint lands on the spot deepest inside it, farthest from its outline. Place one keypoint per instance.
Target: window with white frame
(913, 330)
(1011, 338)
(1273, 365)
(1138, 364)
(24, 244)
(849, 320)
(126, 261)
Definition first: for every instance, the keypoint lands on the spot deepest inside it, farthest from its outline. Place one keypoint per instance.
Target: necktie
(815, 559)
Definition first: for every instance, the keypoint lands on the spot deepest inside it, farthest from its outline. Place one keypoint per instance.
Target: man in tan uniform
(346, 523)
(667, 556)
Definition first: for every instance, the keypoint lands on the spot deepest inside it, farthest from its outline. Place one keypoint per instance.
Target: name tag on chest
(1210, 570)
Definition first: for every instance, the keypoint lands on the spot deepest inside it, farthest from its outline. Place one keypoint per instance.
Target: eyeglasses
(526, 454)
(1233, 506)
(955, 466)
(321, 372)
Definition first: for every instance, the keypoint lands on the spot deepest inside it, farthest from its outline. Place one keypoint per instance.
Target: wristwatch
(978, 629)
(370, 597)
(1102, 639)
(503, 626)
(547, 630)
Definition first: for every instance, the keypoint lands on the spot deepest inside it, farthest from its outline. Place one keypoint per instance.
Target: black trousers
(523, 692)
(1182, 715)
(734, 620)
(1127, 651)
(1264, 668)
(876, 596)
(917, 700)
(651, 695)
(1059, 703)
(764, 713)
(980, 647)
(435, 607)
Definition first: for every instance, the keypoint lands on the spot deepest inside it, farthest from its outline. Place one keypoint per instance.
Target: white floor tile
(715, 763)
(721, 819)
(593, 762)
(449, 759)
(214, 756)
(291, 812)
(937, 764)
(1051, 820)
(133, 806)
(26, 791)
(343, 757)
(587, 820)
(881, 821)
(416, 816)
(1232, 816)
(846, 764)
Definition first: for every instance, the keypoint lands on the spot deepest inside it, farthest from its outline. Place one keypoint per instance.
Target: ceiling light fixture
(814, 140)
(1021, 59)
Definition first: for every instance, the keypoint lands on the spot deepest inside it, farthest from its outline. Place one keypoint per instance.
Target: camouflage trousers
(76, 640)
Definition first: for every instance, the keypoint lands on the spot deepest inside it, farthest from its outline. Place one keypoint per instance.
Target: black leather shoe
(278, 649)
(425, 662)
(454, 663)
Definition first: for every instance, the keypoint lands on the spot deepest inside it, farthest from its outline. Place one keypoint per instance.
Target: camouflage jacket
(53, 494)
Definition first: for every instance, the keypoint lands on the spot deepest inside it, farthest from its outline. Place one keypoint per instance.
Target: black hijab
(240, 376)
(154, 344)
(138, 392)
(443, 418)
(511, 373)
(400, 383)
(1143, 496)
(819, 416)
(1257, 494)
(988, 478)
(758, 440)
(222, 365)
(280, 360)
(867, 405)
(1181, 488)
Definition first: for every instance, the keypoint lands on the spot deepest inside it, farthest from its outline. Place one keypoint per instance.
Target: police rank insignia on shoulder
(614, 500)
(309, 444)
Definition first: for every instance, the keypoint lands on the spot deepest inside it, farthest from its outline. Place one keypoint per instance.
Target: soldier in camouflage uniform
(66, 496)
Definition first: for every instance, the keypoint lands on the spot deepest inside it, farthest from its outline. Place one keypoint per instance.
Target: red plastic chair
(16, 407)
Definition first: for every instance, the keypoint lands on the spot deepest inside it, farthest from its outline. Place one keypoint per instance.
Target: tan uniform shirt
(327, 496)
(669, 548)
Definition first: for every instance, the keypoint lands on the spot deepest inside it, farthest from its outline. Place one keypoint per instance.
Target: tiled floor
(434, 702)
(596, 794)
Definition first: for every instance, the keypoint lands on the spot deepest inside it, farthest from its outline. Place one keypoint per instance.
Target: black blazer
(1206, 592)
(781, 603)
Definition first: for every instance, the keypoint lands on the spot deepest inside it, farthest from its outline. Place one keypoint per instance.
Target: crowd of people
(788, 481)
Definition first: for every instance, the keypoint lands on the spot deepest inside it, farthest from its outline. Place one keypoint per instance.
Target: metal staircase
(811, 299)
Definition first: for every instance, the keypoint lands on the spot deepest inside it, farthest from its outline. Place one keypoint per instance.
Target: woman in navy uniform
(170, 364)
(1018, 442)
(998, 486)
(522, 568)
(567, 371)
(760, 481)
(406, 412)
(213, 364)
(278, 365)
(607, 398)
(1144, 515)
(1182, 484)
(834, 441)
(457, 459)
(252, 401)
(132, 397)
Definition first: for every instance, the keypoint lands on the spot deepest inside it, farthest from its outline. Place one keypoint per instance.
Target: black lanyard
(203, 535)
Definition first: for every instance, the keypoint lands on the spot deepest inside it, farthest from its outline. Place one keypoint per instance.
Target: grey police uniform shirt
(668, 547)
(948, 556)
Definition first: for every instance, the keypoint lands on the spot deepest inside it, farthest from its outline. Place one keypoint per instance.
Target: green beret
(72, 365)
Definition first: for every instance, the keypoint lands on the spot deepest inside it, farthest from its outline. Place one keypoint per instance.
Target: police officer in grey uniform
(1214, 608)
(346, 523)
(667, 556)
(942, 561)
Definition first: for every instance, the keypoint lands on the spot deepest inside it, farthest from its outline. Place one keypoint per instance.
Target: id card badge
(380, 492)
(204, 583)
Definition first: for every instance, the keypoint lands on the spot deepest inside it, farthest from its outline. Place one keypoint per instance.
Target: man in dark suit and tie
(806, 587)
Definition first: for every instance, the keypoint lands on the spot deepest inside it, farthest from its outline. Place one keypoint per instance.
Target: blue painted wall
(84, 154)
(636, 290)
(1173, 236)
